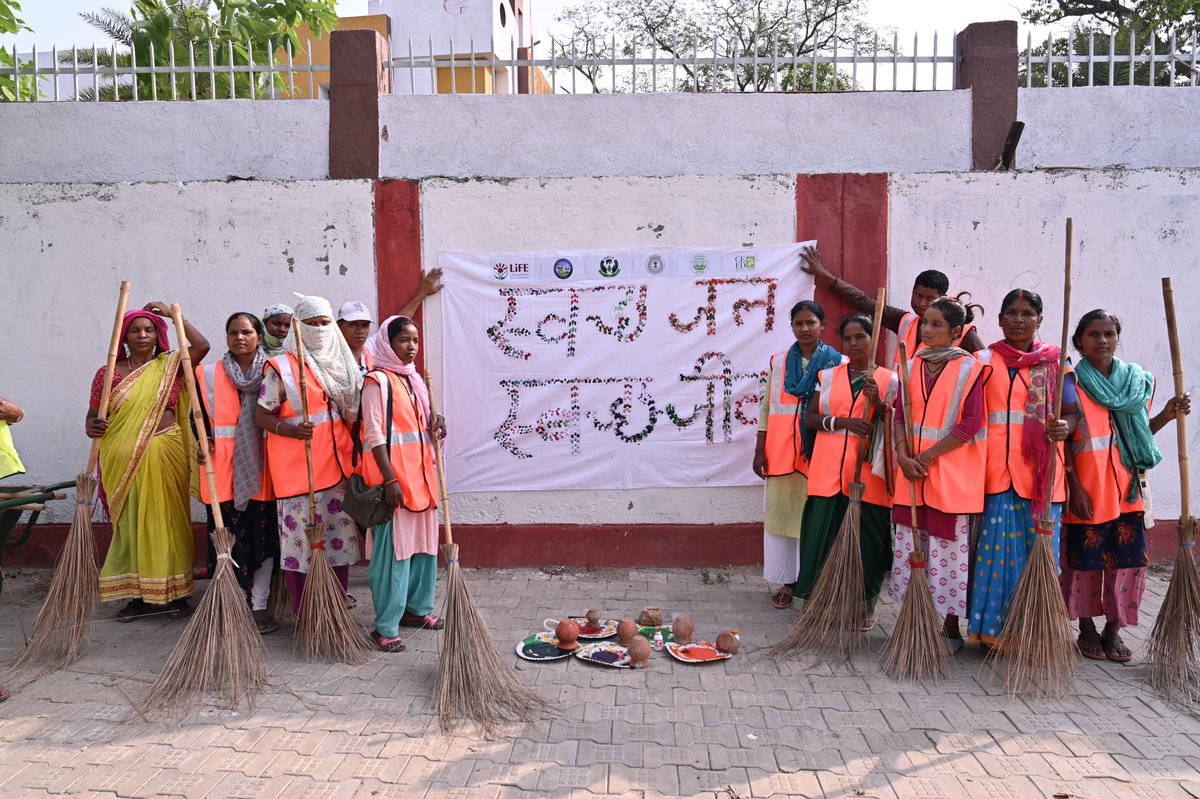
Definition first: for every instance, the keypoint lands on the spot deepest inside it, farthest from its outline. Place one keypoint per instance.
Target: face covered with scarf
(327, 354)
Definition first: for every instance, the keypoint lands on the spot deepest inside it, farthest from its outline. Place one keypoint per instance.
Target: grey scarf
(248, 440)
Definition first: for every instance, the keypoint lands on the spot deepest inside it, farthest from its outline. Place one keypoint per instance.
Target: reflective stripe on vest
(411, 451)
(955, 480)
(1098, 465)
(223, 403)
(835, 455)
(331, 444)
(782, 451)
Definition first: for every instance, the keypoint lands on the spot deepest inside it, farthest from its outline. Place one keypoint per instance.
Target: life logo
(502, 270)
(563, 268)
(609, 266)
(743, 264)
(699, 264)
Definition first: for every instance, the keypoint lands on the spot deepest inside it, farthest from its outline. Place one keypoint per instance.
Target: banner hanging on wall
(611, 368)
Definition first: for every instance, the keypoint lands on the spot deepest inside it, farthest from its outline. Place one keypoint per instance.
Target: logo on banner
(516, 271)
(655, 264)
(699, 264)
(609, 267)
(743, 264)
(563, 268)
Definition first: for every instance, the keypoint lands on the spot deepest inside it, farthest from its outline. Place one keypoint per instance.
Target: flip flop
(428, 621)
(266, 625)
(351, 602)
(387, 644)
(134, 609)
(1112, 653)
(1093, 654)
(868, 623)
(180, 609)
(782, 599)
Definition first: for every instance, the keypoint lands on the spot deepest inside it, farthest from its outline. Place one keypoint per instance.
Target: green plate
(649, 631)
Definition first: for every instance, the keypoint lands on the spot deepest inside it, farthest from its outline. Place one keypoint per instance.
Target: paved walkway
(741, 728)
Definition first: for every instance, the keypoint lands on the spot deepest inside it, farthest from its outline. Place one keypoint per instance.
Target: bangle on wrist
(389, 482)
(278, 422)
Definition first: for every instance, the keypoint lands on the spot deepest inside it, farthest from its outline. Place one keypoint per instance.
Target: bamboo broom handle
(880, 298)
(908, 426)
(189, 379)
(1185, 511)
(312, 494)
(1062, 376)
(114, 346)
(437, 448)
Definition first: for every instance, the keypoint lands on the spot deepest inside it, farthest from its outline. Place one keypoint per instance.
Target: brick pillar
(987, 65)
(356, 79)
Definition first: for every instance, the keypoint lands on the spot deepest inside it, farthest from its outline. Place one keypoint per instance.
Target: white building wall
(214, 248)
(993, 232)
(674, 134)
(73, 142)
(586, 213)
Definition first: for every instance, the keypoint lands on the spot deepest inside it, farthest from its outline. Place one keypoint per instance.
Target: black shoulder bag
(365, 504)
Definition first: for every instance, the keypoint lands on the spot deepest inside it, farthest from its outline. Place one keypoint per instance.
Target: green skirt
(822, 521)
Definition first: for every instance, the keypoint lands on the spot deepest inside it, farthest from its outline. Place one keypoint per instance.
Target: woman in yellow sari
(145, 469)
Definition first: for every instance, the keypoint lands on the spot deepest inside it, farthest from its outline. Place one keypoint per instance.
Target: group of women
(364, 410)
(977, 456)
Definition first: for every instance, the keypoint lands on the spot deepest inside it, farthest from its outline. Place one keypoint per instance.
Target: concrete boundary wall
(77, 142)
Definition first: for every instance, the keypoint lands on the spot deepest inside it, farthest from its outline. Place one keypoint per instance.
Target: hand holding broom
(221, 649)
(59, 632)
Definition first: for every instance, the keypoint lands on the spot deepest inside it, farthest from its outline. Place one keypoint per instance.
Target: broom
(221, 648)
(915, 649)
(1036, 641)
(831, 622)
(325, 630)
(1174, 645)
(472, 681)
(58, 633)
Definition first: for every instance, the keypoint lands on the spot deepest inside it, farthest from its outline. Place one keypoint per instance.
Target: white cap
(354, 311)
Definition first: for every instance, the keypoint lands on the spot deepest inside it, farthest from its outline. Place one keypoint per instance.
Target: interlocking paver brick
(630, 754)
(656, 756)
(660, 780)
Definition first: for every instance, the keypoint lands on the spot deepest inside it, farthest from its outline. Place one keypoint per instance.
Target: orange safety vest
(1098, 465)
(783, 449)
(1005, 398)
(222, 402)
(835, 455)
(907, 332)
(955, 481)
(411, 447)
(331, 445)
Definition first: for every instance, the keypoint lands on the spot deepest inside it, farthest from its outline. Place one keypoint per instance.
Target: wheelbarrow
(18, 500)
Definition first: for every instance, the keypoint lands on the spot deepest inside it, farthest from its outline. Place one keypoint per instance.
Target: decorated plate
(541, 646)
(648, 633)
(607, 628)
(697, 652)
(605, 653)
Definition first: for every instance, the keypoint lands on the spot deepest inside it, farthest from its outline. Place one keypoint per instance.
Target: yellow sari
(146, 475)
(10, 464)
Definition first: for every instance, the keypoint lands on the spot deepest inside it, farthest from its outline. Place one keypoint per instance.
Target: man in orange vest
(928, 286)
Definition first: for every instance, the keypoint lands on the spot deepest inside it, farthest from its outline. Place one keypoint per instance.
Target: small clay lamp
(567, 633)
(626, 631)
(639, 652)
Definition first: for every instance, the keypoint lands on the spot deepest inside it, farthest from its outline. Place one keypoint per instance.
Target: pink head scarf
(160, 326)
(379, 347)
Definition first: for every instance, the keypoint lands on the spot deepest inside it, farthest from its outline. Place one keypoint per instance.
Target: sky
(58, 22)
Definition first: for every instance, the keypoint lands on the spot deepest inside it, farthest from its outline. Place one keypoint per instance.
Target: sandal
(133, 609)
(783, 598)
(179, 609)
(265, 624)
(1091, 645)
(1115, 649)
(868, 623)
(351, 602)
(428, 621)
(387, 644)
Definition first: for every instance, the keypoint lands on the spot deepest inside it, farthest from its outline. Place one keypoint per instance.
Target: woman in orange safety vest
(943, 455)
(784, 445)
(398, 453)
(1104, 570)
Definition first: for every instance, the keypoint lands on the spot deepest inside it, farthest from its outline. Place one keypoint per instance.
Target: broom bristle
(473, 682)
(279, 602)
(1173, 651)
(1036, 643)
(220, 650)
(830, 624)
(60, 632)
(325, 629)
(916, 650)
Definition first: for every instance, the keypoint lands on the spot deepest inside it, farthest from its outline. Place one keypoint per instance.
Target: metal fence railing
(1126, 58)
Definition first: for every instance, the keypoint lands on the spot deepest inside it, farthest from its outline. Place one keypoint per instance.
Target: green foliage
(220, 33)
(776, 32)
(1138, 15)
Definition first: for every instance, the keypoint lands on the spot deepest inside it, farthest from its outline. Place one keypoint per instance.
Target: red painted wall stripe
(397, 247)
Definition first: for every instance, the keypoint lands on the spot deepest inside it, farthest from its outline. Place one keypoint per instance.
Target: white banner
(611, 369)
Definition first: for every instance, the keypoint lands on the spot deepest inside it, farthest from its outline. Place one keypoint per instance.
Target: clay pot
(593, 618)
(567, 633)
(729, 642)
(639, 652)
(683, 629)
(627, 631)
